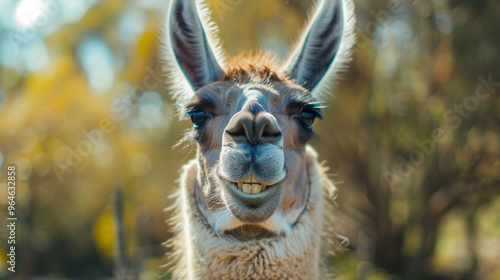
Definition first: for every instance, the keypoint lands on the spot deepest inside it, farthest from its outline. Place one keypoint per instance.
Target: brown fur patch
(253, 68)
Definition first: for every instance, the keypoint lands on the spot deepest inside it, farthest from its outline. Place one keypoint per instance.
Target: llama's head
(251, 121)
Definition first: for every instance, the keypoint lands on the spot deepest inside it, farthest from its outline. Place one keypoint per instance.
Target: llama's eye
(198, 117)
(306, 119)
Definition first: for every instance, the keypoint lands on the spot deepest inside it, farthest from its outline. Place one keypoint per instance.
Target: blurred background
(411, 135)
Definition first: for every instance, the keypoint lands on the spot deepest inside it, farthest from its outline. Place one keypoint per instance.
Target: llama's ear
(324, 47)
(191, 53)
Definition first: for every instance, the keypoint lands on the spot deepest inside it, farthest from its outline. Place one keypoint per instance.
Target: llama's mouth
(253, 195)
(251, 188)
(250, 200)
(250, 185)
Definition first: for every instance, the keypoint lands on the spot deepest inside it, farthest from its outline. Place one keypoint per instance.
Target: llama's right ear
(191, 55)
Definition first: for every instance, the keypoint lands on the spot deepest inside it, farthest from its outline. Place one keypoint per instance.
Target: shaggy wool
(201, 253)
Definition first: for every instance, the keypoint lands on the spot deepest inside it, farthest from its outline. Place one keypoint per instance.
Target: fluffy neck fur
(201, 253)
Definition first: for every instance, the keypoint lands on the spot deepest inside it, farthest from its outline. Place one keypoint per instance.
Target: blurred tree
(417, 135)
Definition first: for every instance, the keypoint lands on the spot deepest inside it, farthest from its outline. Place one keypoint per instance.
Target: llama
(250, 204)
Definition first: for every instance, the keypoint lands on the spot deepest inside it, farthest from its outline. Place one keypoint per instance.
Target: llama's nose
(253, 124)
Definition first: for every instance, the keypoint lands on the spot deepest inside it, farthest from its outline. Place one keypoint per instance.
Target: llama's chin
(249, 232)
(225, 223)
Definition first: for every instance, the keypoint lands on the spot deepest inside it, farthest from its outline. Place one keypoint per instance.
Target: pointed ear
(190, 52)
(324, 47)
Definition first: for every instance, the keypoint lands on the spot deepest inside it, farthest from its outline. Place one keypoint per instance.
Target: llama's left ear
(191, 53)
(324, 48)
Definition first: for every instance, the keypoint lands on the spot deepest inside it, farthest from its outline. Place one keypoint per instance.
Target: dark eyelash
(192, 109)
(203, 102)
(312, 109)
(195, 108)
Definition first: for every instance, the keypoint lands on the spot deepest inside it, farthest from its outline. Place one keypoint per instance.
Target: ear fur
(324, 47)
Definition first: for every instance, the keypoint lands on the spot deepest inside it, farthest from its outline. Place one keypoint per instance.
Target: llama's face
(252, 125)
(251, 140)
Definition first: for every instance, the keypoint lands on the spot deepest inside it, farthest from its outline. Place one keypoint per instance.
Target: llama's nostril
(267, 128)
(267, 133)
(240, 127)
(238, 132)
